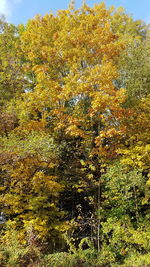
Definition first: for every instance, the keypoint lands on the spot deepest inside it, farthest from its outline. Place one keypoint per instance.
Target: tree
(30, 188)
(73, 152)
(133, 64)
(73, 99)
(12, 81)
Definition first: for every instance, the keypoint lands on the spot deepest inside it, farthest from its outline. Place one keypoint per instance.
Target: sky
(19, 11)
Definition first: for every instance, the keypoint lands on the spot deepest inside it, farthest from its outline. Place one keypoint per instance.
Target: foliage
(14, 253)
(74, 140)
(12, 81)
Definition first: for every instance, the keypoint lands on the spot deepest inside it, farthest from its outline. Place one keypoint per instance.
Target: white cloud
(4, 8)
(7, 6)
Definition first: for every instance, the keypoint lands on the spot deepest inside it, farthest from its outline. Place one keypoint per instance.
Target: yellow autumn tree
(136, 149)
(70, 66)
(73, 56)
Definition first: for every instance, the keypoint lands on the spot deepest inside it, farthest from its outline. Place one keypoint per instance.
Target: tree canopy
(74, 139)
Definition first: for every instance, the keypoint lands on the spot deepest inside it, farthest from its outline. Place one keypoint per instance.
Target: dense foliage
(74, 140)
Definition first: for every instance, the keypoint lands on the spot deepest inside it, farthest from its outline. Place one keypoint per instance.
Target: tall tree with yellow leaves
(73, 103)
(73, 56)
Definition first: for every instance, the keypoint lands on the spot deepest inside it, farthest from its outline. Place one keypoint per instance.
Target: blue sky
(19, 11)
